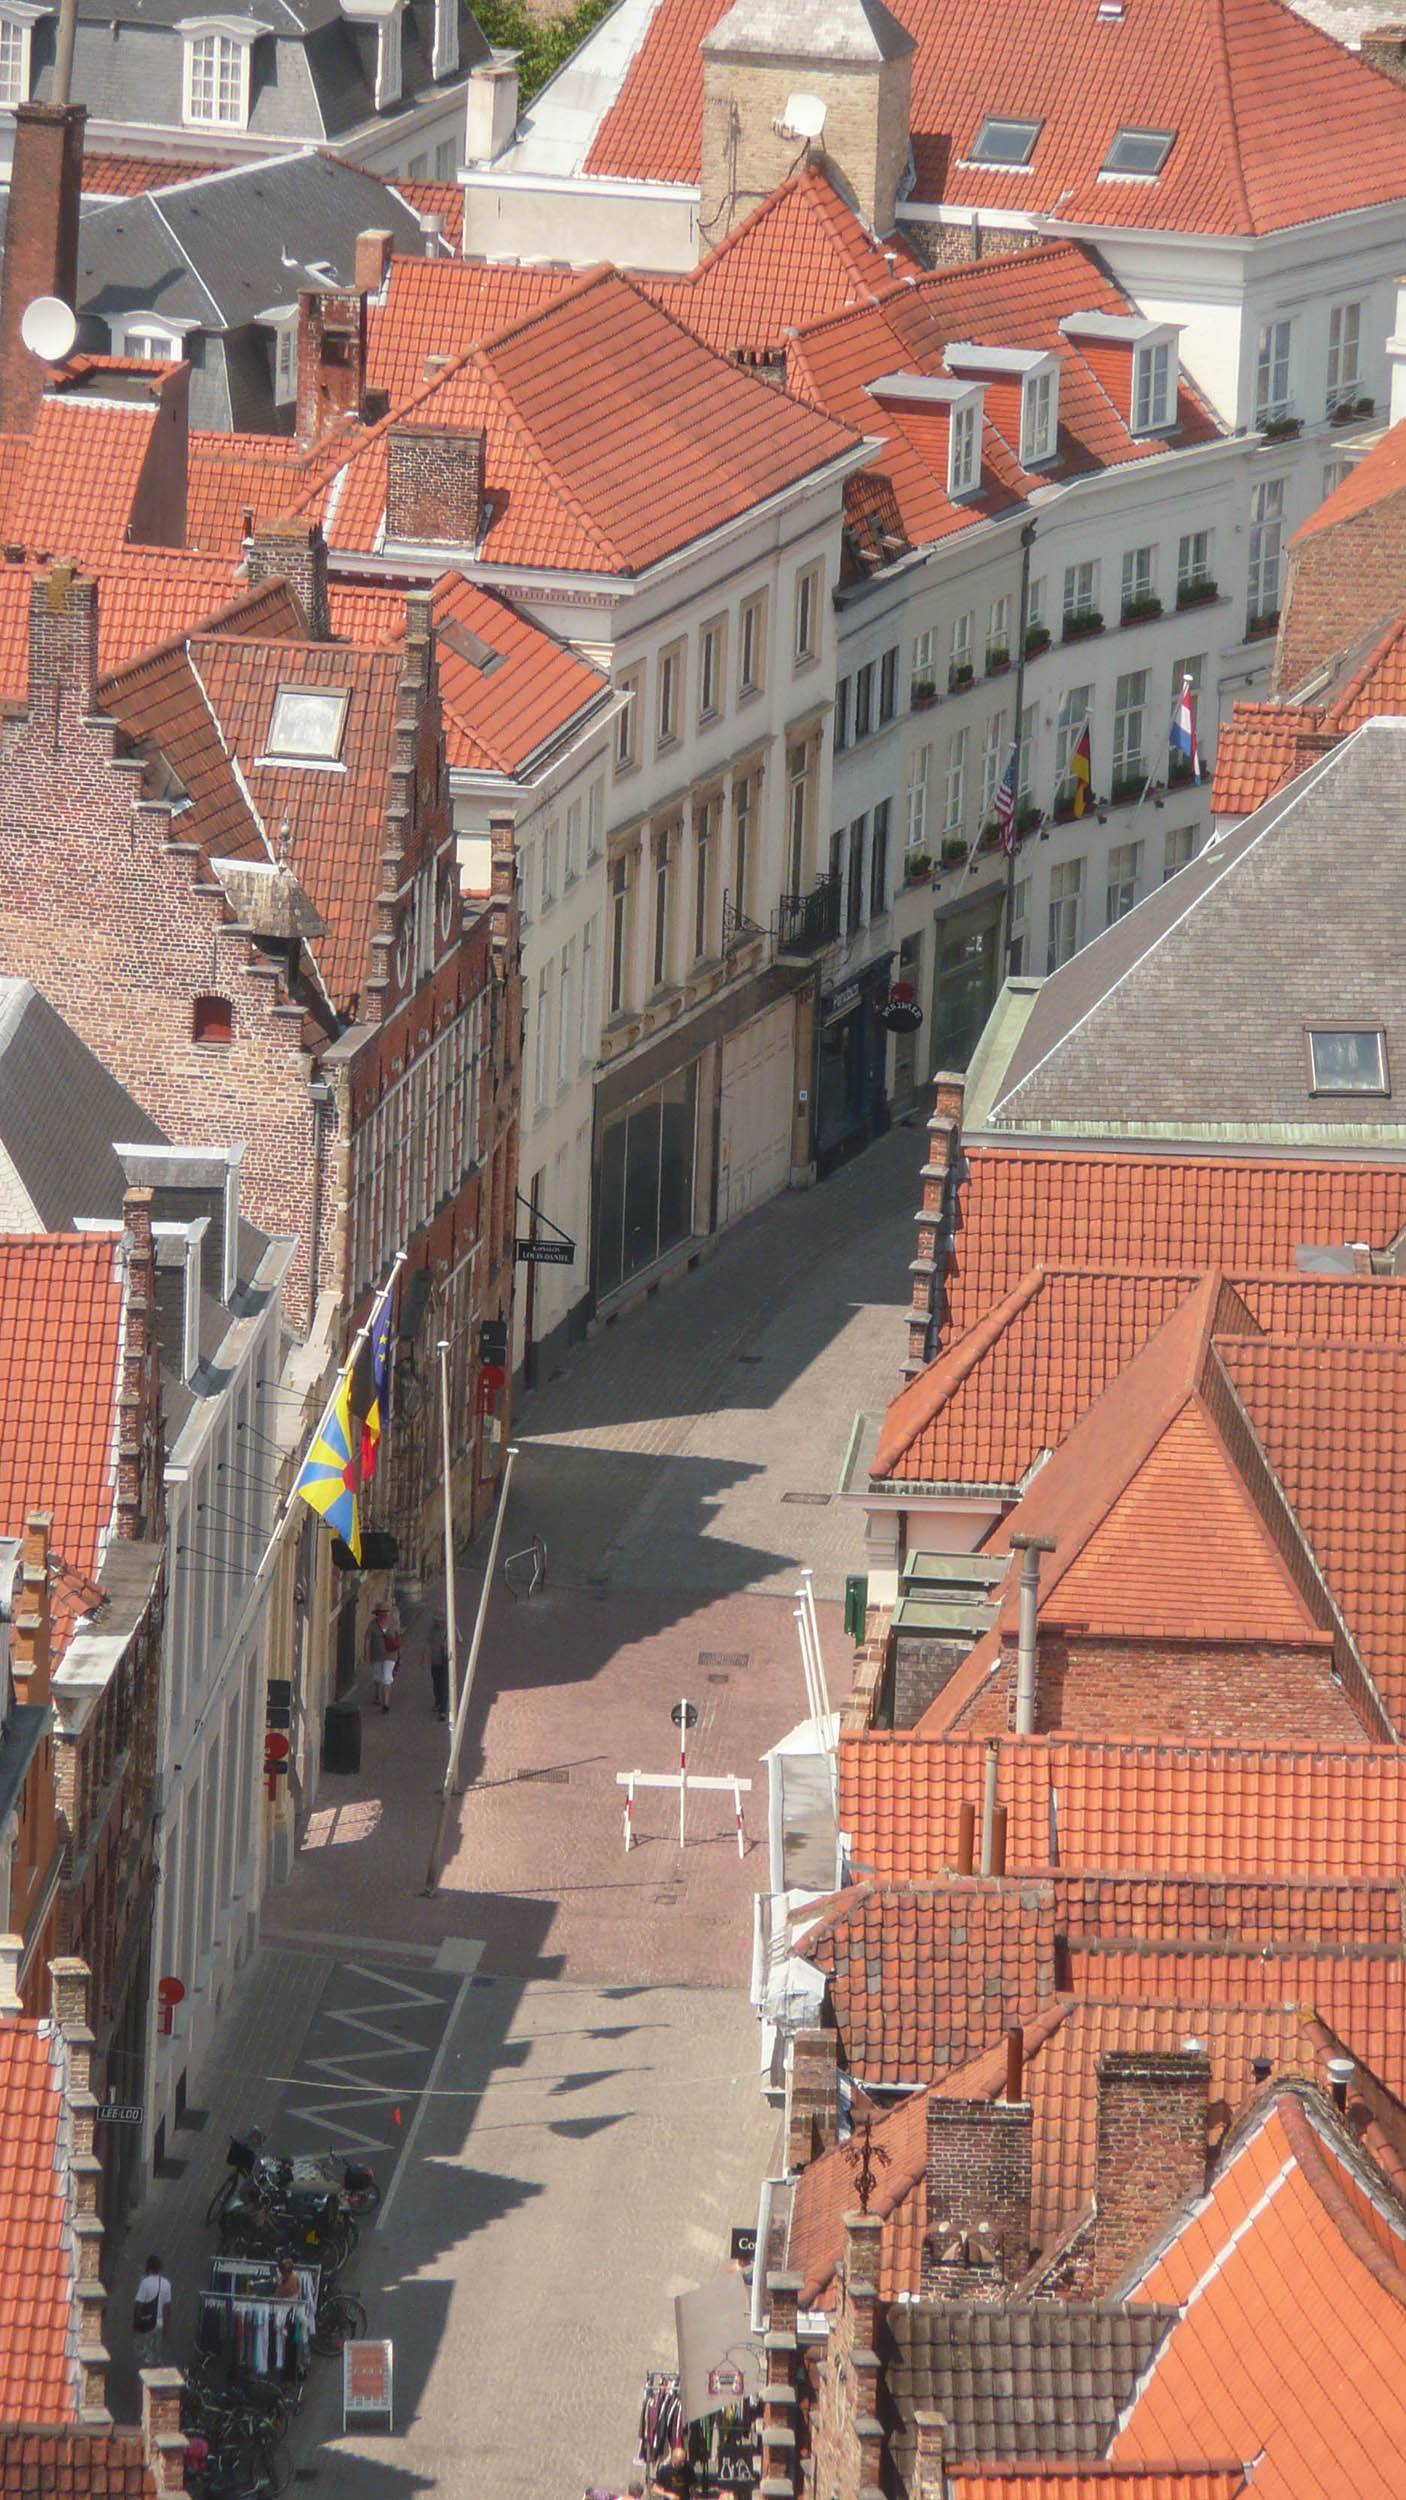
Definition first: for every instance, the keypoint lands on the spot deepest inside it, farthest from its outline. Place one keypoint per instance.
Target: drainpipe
(1029, 1548)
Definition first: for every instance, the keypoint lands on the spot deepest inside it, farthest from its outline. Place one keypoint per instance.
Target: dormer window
(1154, 386)
(1343, 1061)
(16, 25)
(1039, 417)
(964, 448)
(307, 725)
(388, 72)
(1001, 141)
(1142, 152)
(217, 56)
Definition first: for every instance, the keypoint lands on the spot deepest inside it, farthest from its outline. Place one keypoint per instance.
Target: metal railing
(806, 923)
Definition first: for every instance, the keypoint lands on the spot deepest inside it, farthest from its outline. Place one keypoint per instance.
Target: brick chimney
(930, 2463)
(31, 1633)
(69, 1984)
(295, 553)
(434, 484)
(331, 359)
(373, 259)
(934, 1219)
(1384, 48)
(813, 2096)
(163, 2440)
(63, 646)
(1150, 2150)
(41, 244)
(978, 2198)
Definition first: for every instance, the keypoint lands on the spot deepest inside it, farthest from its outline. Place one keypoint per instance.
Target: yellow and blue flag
(330, 1477)
(371, 1384)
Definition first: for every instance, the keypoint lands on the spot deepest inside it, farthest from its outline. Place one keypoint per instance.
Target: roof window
(1138, 152)
(307, 724)
(1345, 1061)
(1003, 142)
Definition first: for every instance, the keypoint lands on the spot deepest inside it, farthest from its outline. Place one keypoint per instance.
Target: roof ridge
(255, 596)
(1220, 51)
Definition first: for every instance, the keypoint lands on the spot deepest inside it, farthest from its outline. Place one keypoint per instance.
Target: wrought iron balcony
(807, 923)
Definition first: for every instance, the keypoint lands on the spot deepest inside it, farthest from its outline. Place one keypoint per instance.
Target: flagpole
(359, 1340)
(1007, 947)
(451, 1773)
(451, 1614)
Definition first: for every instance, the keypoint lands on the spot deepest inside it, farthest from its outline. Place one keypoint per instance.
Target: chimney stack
(935, 1220)
(966, 1837)
(988, 1805)
(813, 2096)
(331, 360)
(978, 2198)
(1029, 1548)
(373, 259)
(1150, 2150)
(1384, 48)
(296, 553)
(41, 244)
(434, 484)
(63, 646)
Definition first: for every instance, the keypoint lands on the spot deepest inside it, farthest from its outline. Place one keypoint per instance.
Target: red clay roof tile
(36, 2302)
(38, 2463)
(924, 1977)
(61, 1319)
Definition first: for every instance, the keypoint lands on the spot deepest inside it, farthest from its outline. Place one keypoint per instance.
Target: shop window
(646, 1181)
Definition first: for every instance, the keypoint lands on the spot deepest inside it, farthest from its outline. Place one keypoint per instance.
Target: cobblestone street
(585, 2122)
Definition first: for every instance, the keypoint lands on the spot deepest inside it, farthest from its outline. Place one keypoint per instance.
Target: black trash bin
(341, 1737)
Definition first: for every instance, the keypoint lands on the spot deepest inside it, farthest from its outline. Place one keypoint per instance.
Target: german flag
(1081, 770)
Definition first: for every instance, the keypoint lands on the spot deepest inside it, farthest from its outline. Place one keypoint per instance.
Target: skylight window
(1348, 1062)
(307, 724)
(1139, 152)
(1003, 142)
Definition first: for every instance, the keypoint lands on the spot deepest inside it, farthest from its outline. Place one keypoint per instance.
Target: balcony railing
(805, 923)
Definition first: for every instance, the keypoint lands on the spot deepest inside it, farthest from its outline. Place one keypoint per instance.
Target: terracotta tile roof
(1332, 1422)
(800, 256)
(236, 478)
(509, 689)
(824, 2194)
(1291, 2345)
(36, 2306)
(1021, 1207)
(1256, 148)
(1098, 2482)
(1381, 472)
(49, 2464)
(122, 177)
(555, 399)
(1193, 1910)
(435, 199)
(924, 1977)
(61, 1319)
(1018, 1381)
(142, 599)
(1268, 1811)
(443, 307)
(1271, 743)
(72, 481)
(1358, 1991)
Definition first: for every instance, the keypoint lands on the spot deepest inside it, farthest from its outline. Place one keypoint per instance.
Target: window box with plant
(1346, 411)
(1281, 429)
(998, 658)
(1081, 622)
(1179, 772)
(955, 849)
(1146, 604)
(923, 694)
(1037, 639)
(990, 837)
(1197, 594)
(960, 674)
(917, 867)
(1028, 818)
(1127, 787)
(1261, 627)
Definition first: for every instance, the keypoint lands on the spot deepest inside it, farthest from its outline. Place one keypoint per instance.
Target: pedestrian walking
(439, 1669)
(151, 2312)
(380, 1657)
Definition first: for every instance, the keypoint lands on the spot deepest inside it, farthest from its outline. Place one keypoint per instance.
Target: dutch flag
(1183, 729)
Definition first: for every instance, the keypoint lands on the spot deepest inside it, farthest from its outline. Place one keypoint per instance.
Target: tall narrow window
(888, 686)
(741, 845)
(1266, 547)
(14, 61)
(993, 759)
(797, 813)
(588, 990)
(854, 897)
(217, 80)
(1124, 866)
(807, 613)
(1066, 893)
(955, 791)
(670, 672)
(879, 861)
(1272, 372)
(1129, 728)
(919, 775)
(864, 700)
(543, 1052)
(619, 931)
(751, 655)
(702, 858)
(566, 1022)
(1073, 712)
(661, 908)
(964, 448)
(1344, 353)
(710, 670)
(1154, 386)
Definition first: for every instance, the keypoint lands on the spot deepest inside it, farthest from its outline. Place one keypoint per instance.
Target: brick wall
(744, 157)
(977, 2240)
(1150, 2151)
(434, 484)
(1333, 580)
(934, 1213)
(812, 2096)
(41, 243)
(1202, 1691)
(331, 359)
(922, 1665)
(845, 2435)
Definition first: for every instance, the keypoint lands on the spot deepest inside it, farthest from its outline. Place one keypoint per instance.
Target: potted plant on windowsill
(1027, 818)
(1179, 772)
(1126, 788)
(923, 693)
(1037, 639)
(954, 851)
(1196, 594)
(1280, 429)
(1081, 622)
(1146, 604)
(998, 658)
(917, 867)
(960, 674)
(1260, 628)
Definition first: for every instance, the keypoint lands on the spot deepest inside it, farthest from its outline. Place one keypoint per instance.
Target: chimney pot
(1340, 2073)
(373, 259)
(966, 1837)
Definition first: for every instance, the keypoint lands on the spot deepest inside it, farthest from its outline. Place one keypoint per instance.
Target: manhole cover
(811, 1501)
(554, 1778)
(724, 1657)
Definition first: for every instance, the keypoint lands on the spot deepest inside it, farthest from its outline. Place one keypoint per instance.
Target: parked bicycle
(526, 1572)
(351, 2182)
(341, 2319)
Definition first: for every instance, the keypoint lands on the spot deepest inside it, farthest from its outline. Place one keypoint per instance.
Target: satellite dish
(803, 118)
(48, 328)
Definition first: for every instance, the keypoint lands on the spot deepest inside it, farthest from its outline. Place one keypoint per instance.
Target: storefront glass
(965, 983)
(646, 1181)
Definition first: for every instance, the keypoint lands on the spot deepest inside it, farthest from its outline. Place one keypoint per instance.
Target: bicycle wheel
(340, 2320)
(221, 2198)
(362, 2202)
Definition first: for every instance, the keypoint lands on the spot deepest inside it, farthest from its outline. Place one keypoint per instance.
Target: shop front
(851, 1105)
(645, 1177)
(965, 976)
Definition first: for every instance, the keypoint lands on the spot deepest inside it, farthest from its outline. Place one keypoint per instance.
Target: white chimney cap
(802, 118)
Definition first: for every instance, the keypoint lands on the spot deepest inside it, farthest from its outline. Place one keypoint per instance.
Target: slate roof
(1290, 2344)
(1188, 1017)
(1017, 2380)
(1021, 1206)
(1085, 1802)
(60, 1112)
(37, 2382)
(555, 399)
(73, 2465)
(61, 1320)
(211, 249)
(923, 1978)
(1257, 146)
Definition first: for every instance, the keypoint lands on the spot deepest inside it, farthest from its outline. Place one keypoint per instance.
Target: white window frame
(809, 583)
(445, 58)
(167, 346)
(1076, 708)
(919, 776)
(1181, 839)
(954, 784)
(1066, 907)
(1195, 559)
(390, 75)
(19, 26)
(629, 687)
(751, 645)
(994, 752)
(235, 35)
(712, 663)
(1139, 574)
(964, 446)
(1130, 697)
(1344, 354)
(1266, 547)
(1123, 878)
(1155, 376)
(1039, 417)
(1080, 589)
(1274, 352)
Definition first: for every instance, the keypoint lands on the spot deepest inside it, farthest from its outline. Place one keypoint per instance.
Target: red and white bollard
(630, 1816)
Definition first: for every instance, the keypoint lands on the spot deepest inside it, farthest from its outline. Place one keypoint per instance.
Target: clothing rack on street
(661, 2416)
(245, 2321)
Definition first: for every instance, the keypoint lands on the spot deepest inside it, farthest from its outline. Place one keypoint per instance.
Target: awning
(720, 2361)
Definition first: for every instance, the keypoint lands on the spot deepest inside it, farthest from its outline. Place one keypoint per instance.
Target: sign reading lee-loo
(368, 2372)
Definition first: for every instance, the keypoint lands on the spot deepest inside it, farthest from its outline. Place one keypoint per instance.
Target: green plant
(1279, 429)
(1037, 639)
(954, 851)
(1195, 594)
(1027, 818)
(1261, 627)
(545, 44)
(1144, 605)
(998, 658)
(924, 691)
(1081, 621)
(1365, 406)
(959, 674)
(918, 865)
(1179, 771)
(1127, 786)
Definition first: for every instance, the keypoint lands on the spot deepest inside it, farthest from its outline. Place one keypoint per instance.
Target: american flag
(1005, 807)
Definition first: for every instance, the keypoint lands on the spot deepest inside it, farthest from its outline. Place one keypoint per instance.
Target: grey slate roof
(1189, 1019)
(226, 247)
(1025, 2379)
(312, 75)
(60, 1113)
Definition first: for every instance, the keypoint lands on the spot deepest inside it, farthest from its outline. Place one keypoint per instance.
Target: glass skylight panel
(1139, 152)
(1003, 142)
(307, 723)
(1348, 1062)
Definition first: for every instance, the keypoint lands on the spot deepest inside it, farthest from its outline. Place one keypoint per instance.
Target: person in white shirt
(151, 2312)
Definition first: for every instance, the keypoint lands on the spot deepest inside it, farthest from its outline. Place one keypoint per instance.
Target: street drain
(811, 1501)
(666, 1897)
(724, 1657)
(549, 1779)
(751, 1358)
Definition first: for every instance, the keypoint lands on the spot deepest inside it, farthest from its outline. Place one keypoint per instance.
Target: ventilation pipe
(1029, 1548)
(1015, 2062)
(966, 1837)
(1340, 2073)
(988, 1805)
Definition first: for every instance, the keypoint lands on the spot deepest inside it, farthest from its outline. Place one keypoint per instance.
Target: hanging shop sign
(546, 1253)
(743, 2247)
(900, 1012)
(120, 2114)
